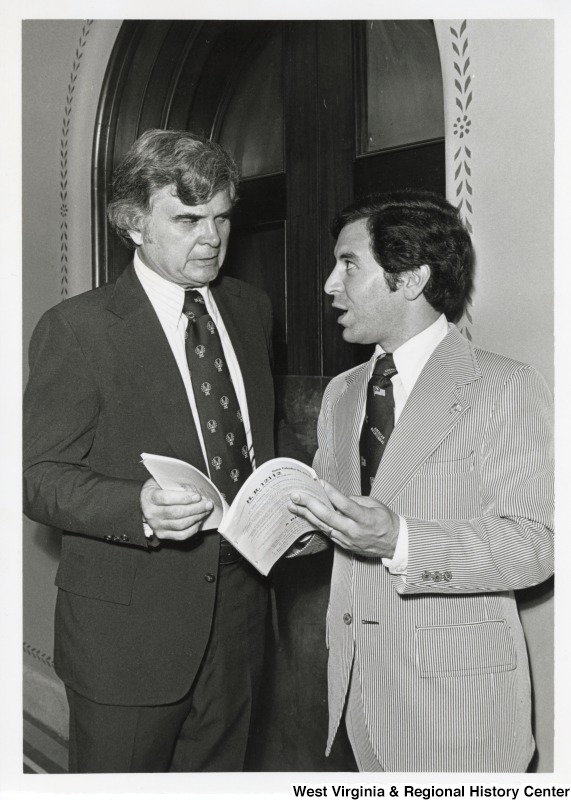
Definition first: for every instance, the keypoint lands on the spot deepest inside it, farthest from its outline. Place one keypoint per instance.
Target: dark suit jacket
(132, 619)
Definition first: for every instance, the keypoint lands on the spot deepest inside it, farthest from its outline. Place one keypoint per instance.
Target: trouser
(207, 730)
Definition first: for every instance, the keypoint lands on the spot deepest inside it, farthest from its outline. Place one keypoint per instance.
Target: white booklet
(258, 522)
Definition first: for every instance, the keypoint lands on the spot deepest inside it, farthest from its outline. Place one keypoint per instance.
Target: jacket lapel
(347, 430)
(139, 339)
(435, 406)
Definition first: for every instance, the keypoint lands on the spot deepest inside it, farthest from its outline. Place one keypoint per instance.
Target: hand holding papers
(258, 522)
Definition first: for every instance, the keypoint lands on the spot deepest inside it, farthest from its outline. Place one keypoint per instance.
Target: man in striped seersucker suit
(427, 657)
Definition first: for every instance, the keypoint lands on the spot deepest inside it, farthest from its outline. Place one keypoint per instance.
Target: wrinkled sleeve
(61, 413)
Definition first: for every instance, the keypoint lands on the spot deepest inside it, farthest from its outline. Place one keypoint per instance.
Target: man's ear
(135, 226)
(136, 236)
(413, 282)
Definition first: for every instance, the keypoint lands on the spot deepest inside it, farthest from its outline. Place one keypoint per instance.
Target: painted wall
(500, 148)
(498, 83)
(63, 67)
(501, 166)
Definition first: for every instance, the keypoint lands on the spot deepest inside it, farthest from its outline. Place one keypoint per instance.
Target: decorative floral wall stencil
(461, 132)
(39, 655)
(63, 155)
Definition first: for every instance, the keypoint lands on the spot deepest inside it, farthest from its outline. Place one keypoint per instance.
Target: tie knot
(194, 305)
(385, 366)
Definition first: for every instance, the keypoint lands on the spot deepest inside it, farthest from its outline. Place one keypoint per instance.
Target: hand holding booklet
(258, 522)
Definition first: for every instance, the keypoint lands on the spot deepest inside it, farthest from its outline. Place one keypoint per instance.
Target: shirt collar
(411, 356)
(167, 297)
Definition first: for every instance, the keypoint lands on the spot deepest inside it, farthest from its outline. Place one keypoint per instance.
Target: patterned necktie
(379, 420)
(220, 416)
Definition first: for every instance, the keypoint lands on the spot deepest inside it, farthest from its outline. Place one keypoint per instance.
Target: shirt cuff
(147, 530)
(398, 564)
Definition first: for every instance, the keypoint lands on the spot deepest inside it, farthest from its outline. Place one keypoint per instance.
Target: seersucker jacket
(442, 656)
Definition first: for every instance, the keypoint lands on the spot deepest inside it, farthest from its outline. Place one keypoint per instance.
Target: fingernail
(295, 497)
(196, 498)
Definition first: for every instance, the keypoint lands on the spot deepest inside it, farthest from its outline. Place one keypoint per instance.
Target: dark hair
(409, 228)
(195, 166)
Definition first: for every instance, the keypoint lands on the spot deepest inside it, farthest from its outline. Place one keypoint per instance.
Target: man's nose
(209, 234)
(333, 284)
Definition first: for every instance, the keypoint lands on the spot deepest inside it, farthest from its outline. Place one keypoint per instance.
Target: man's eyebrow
(196, 217)
(188, 215)
(347, 255)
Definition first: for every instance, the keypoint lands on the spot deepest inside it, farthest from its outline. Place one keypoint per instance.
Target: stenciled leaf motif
(461, 129)
(38, 654)
(63, 153)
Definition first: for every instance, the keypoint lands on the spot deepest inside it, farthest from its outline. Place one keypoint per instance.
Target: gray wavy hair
(197, 168)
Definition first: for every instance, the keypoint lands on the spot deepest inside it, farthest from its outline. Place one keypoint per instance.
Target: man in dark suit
(437, 457)
(159, 623)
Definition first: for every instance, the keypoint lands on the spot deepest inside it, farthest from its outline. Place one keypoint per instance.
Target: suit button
(209, 577)
(108, 538)
(124, 538)
(425, 575)
(437, 576)
(447, 575)
(347, 619)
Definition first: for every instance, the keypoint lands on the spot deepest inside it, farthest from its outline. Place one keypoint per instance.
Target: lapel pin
(456, 408)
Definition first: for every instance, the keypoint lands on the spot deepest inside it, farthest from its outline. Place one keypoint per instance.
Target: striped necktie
(379, 420)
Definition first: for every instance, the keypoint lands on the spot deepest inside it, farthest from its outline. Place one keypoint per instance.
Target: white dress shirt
(167, 299)
(409, 359)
